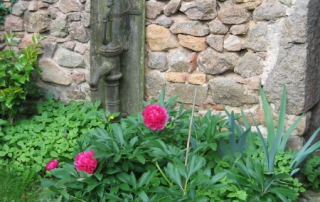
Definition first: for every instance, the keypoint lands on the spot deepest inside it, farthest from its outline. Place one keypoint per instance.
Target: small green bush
(311, 170)
(15, 75)
(53, 133)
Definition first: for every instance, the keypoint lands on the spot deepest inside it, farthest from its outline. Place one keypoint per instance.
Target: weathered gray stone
(193, 28)
(228, 92)
(49, 49)
(67, 6)
(75, 16)
(232, 43)
(249, 65)
(179, 60)
(85, 19)
(52, 12)
(155, 83)
(164, 21)
(58, 28)
(172, 7)
(295, 143)
(154, 9)
(19, 8)
(186, 92)
(78, 76)
(68, 58)
(75, 93)
(78, 32)
(37, 21)
(257, 38)
(87, 6)
(290, 70)
(53, 73)
(239, 29)
(269, 11)
(212, 62)
(157, 61)
(215, 42)
(217, 27)
(200, 9)
(233, 15)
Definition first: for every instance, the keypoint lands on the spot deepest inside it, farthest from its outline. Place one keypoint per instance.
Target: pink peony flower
(155, 117)
(85, 162)
(52, 164)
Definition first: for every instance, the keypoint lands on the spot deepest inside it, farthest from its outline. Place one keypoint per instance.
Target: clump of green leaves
(15, 74)
(16, 187)
(4, 10)
(311, 170)
(53, 133)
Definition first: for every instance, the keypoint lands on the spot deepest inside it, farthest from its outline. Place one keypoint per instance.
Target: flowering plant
(52, 164)
(146, 157)
(85, 162)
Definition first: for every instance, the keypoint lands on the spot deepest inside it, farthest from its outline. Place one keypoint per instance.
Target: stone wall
(227, 48)
(222, 48)
(65, 58)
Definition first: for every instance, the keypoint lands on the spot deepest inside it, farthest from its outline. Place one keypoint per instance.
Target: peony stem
(165, 177)
(190, 127)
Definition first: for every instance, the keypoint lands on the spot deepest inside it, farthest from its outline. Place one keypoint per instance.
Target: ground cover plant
(52, 133)
(165, 153)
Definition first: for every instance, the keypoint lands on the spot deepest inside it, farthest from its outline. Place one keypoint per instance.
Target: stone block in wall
(233, 14)
(200, 9)
(232, 43)
(176, 77)
(154, 9)
(239, 29)
(50, 1)
(197, 78)
(58, 27)
(217, 27)
(162, 20)
(186, 92)
(155, 83)
(69, 59)
(160, 38)
(194, 28)
(215, 42)
(269, 10)
(68, 6)
(75, 93)
(172, 7)
(37, 21)
(26, 41)
(158, 61)
(19, 8)
(14, 23)
(179, 60)
(213, 62)
(257, 38)
(249, 65)
(53, 73)
(226, 91)
(192, 43)
(79, 32)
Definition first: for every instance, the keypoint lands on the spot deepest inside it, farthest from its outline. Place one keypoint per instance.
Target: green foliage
(20, 188)
(5, 10)
(15, 74)
(136, 163)
(53, 133)
(311, 170)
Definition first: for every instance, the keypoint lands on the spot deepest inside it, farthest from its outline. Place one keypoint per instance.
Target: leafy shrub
(15, 74)
(311, 170)
(137, 163)
(33, 142)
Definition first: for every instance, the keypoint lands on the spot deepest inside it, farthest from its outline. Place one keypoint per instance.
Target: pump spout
(104, 70)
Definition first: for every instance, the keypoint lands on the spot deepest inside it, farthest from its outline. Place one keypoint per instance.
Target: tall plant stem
(190, 127)
(165, 177)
